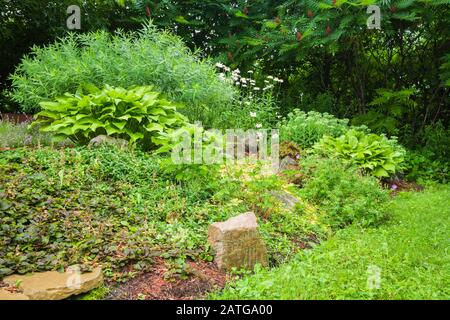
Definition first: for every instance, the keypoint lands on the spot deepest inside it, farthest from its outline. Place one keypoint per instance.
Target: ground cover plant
(112, 207)
(374, 154)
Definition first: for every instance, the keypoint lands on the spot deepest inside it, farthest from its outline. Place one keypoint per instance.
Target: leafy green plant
(305, 129)
(343, 194)
(147, 57)
(373, 153)
(138, 115)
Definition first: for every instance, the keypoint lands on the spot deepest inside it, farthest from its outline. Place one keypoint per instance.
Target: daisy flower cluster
(237, 79)
(254, 97)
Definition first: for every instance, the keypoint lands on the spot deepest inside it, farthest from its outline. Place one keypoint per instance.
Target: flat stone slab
(8, 295)
(53, 285)
(237, 242)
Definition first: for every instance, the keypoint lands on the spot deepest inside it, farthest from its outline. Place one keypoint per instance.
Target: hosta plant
(374, 154)
(139, 115)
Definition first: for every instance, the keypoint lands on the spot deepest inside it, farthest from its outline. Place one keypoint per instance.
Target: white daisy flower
(259, 125)
(253, 114)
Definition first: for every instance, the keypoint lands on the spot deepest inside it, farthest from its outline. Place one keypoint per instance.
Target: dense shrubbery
(138, 115)
(373, 153)
(342, 193)
(149, 57)
(423, 166)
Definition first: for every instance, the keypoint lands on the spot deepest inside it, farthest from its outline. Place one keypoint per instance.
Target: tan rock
(7, 295)
(287, 200)
(53, 285)
(237, 242)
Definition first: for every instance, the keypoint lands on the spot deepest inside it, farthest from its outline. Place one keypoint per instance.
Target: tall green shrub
(148, 57)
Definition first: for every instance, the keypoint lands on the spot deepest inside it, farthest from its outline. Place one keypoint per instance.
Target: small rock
(53, 285)
(287, 163)
(237, 242)
(288, 200)
(102, 140)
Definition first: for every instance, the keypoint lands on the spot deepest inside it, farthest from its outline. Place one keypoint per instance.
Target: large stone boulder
(51, 285)
(237, 242)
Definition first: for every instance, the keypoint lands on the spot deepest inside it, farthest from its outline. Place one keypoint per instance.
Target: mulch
(16, 117)
(204, 278)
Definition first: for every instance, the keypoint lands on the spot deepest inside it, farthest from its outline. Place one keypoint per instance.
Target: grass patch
(410, 253)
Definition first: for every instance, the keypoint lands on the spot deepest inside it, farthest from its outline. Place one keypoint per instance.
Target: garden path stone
(53, 285)
(237, 242)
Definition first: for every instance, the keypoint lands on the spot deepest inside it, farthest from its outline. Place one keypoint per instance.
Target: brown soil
(204, 278)
(398, 185)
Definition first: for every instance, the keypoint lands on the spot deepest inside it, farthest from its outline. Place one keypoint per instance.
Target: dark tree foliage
(395, 79)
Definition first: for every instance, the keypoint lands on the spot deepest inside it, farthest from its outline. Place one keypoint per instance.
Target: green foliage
(423, 166)
(148, 57)
(305, 129)
(374, 154)
(139, 115)
(188, 161)
(389, 110)
(255, 105)
(343, 194)
(117, 208)
(329, 58)
(436, 141)
(409, 254)
(445, 70)
(26, 23)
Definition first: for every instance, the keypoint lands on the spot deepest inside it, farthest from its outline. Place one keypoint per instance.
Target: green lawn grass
(406, 258)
